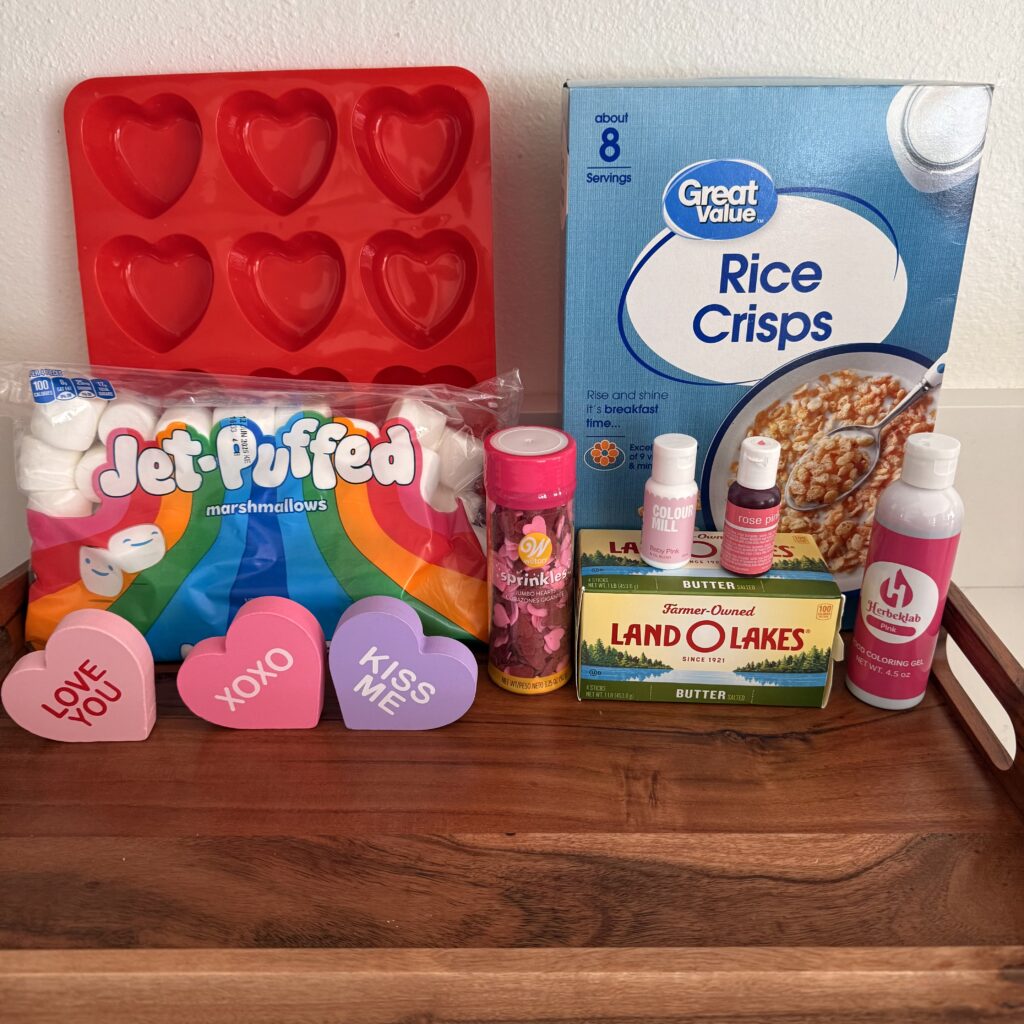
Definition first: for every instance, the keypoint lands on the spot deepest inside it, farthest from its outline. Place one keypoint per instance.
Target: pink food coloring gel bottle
(910, 561)
(670, 502)
(752, 509)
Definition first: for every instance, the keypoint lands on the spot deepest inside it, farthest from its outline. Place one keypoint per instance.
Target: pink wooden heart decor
(388, 675)
(267, 673)
(93, 682)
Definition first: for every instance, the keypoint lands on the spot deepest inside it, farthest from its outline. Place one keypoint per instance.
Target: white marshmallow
(127, 414)
(60, 504)
(428, 422)
(95, 457)
(481, 536)
(41, 467)
(462, 459)
(99, 573)
(444, 500)
(434, 492)
(138, 547)
(430, 474)
(261, 416)
(195, 416)
(283, 413)
(70, 424)
(473, 503)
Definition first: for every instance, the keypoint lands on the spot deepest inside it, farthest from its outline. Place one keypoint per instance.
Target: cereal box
(699, 634)
(762, 257)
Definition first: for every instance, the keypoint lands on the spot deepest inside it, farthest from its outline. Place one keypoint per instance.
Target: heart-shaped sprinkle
(93, 682)
(388, 675)
(267, 673)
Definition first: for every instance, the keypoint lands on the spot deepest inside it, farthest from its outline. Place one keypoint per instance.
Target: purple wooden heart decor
(388, 675)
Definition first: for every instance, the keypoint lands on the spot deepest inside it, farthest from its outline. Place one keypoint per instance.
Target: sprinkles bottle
(530, 477)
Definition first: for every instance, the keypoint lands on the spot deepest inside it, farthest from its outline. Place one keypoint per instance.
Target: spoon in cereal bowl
(841, 461)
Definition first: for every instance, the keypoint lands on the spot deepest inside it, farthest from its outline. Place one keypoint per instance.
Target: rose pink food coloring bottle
(530, 478)
(752, 509)
(670, 502)
(909, 564)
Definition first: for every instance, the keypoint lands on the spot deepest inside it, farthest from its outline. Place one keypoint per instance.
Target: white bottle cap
(675, 459)
(759, 463)
(929, 460)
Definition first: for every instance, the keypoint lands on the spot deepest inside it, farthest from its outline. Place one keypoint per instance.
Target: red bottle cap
(530, 467)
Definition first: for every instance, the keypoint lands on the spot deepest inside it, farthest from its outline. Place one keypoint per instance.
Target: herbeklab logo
(719, 199)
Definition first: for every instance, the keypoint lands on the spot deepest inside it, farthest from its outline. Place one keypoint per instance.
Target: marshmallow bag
(173, 498)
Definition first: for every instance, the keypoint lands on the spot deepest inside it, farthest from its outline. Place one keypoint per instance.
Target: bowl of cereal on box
(801, 405)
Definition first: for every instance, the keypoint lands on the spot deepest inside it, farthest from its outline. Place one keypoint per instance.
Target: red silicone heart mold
(455, 375)
(419, 287)
(279, 151)
(337, 222)
(314, 373)
(413, 145)
(157, 292)
(289, 290)
(145, 154)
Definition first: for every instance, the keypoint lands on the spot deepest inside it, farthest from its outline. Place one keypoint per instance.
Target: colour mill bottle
(752, 509)
(670, 502)
(530, 478)
(909, 565)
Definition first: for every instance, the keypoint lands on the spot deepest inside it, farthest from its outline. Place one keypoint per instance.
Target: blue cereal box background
(770, 257)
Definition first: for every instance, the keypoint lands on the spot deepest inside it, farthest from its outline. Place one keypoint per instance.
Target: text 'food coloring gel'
(761, 259)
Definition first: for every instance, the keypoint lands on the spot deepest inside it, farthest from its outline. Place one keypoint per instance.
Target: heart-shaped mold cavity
(413, 145)
(280, 150)
(289, 290)
(157, 292)
(458, 376)
(419, 287)
(146, 155)
(313, 373)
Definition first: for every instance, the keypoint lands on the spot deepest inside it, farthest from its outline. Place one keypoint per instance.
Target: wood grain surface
(516, 764)
(1004, 676)
(595, 889)
(710, 852)
(533, 821)
(593, 986)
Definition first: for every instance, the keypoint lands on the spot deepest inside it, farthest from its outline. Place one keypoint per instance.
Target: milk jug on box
(774, 258)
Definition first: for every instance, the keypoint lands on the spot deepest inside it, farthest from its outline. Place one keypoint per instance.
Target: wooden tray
(540, 859)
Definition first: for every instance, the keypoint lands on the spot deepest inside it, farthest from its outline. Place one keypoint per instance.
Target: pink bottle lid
(530, 467)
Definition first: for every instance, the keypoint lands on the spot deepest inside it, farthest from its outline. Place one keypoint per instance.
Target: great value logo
(719, 199)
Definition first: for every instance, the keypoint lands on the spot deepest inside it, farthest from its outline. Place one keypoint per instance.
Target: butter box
(700, 635)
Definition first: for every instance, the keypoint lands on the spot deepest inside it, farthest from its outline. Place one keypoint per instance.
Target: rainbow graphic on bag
(190, 525)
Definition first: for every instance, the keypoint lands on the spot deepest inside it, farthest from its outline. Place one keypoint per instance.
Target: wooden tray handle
(1003, 675)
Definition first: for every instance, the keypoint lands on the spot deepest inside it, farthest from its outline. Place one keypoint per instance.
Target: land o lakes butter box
(700, 634)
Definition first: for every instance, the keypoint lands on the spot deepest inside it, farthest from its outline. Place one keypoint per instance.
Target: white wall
(522, 51)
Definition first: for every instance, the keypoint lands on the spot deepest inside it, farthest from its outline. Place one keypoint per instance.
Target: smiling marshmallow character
(138, 547)
(100, 574)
